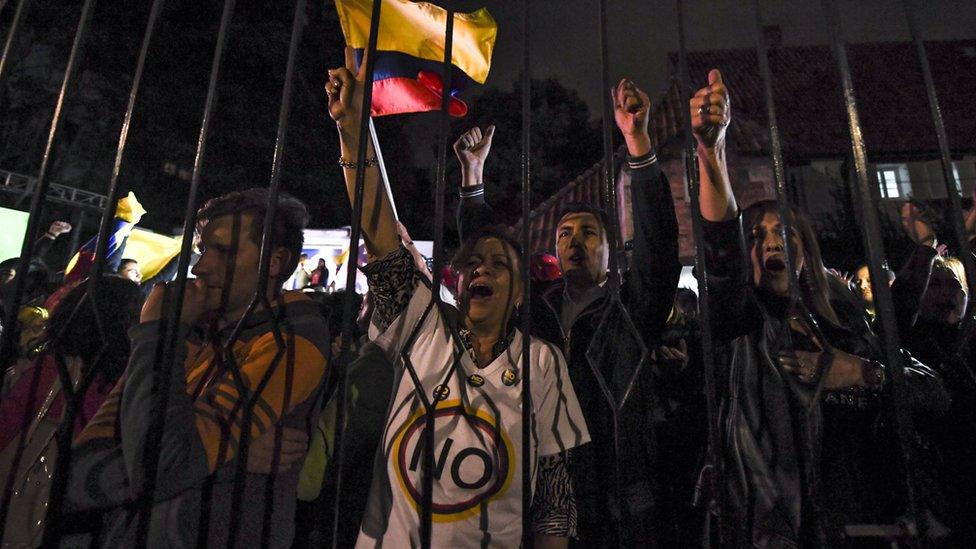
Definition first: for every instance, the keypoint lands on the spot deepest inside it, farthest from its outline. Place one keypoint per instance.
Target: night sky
(565, 45)
(565, 42)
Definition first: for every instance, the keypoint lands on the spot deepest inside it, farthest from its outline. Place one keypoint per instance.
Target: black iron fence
(864, 188)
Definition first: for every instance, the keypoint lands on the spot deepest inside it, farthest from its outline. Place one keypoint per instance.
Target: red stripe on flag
(404, 95)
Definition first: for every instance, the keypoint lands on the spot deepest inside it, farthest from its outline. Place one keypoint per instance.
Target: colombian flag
(152, 251)
(410, 52)
(128, 212)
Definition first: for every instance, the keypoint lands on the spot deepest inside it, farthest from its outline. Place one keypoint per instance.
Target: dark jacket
(948, 351)
(613, 349)
(798, 469)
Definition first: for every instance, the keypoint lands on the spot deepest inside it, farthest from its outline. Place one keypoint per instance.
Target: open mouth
(775, 264)
(577, 257)
(480, 291)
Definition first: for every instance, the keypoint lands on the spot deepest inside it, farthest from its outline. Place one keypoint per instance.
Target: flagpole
(382, 165)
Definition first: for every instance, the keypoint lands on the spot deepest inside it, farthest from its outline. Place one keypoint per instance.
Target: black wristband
(642, 161)
(472, 191)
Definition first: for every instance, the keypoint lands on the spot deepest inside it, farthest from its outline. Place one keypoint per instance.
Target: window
(893, 180)
(889, 183)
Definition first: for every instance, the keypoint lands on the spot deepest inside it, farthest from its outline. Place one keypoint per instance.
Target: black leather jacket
(797, 470)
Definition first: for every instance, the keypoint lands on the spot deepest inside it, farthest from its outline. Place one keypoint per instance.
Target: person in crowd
(33, 402)
(302, 275)
(475, 383)
(617, 504)
(129, 268)
(681, 430)
(128, 213)
(686, 302)
(313, 495)
(320, 275)
(8, 270)
(43, 244)
(931, 298)
(206, 413)
(862, 282)
(369, 386)
(36, 286)
(799, 466)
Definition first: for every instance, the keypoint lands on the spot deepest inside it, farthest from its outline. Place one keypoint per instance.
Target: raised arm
(725, 257)
(710, 117)
(913, 278)
(472, 150)
(43, 244)
(345, 91)
(654, 272)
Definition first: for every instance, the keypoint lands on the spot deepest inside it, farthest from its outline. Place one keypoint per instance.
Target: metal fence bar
(610, 176)
(101, 247)
(594, 356)
(355, 230)
(11, 36)
(7, 344)
(166, 349)
(261, 298)
(776, 152)
(874, 246)
(59, 476)
(608, 198)
(797, 305)
(427, 490)
(224, 361)
(74, 398)
(525, 265)
(964, 250)
(716, 497)
(441, 176)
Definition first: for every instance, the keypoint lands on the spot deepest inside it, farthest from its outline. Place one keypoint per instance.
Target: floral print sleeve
(392, 280)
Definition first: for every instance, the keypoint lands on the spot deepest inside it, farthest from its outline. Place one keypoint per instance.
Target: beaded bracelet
(370, 162)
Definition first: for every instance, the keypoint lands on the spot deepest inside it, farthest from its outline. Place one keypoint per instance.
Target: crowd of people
(807, 449)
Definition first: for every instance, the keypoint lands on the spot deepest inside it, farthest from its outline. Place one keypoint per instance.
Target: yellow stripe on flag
(153, 251)
(417, 29)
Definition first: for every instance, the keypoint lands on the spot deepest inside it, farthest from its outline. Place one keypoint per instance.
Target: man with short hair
(206, 410)
(129, 268)
(569, 311)
(301, 276)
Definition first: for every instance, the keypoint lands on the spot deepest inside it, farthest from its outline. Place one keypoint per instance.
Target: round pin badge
(441, 392)
(475, 380)
(510, 377)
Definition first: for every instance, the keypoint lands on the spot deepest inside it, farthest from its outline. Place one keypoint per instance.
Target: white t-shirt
(477, 491)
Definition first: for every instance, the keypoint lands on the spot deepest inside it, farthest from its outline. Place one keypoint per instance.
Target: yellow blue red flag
(410, 50)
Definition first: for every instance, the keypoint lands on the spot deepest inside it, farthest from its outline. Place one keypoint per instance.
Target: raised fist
(58, 228)
(630, 108)
(710, 111)
(472, 149)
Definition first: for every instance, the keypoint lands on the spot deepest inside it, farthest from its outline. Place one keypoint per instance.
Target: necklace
(497, 349)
